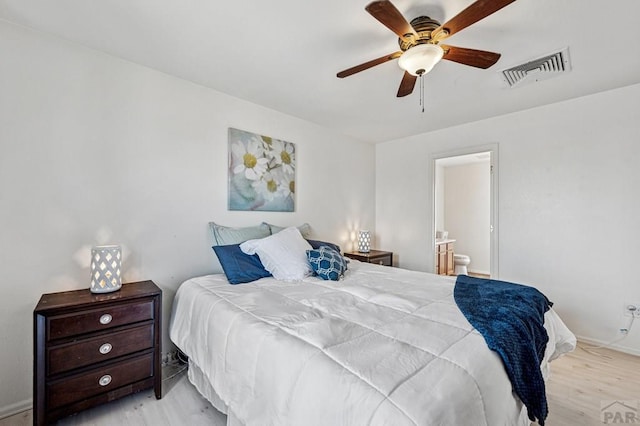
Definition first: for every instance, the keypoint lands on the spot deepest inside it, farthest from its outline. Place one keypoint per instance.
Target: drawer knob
(105, 380)
(105, 348)
(105, 319)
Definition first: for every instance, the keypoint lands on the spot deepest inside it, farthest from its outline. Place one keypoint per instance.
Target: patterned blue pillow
(327, 263)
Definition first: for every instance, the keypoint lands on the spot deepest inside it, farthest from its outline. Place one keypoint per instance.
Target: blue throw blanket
(510, 317)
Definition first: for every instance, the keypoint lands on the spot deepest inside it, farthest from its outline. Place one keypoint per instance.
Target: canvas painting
(262, 172)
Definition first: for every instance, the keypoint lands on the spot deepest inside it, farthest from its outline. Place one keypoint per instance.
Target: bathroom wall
(439, 197)
(467, 208)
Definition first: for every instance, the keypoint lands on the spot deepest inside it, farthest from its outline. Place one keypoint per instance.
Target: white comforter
(384, 346)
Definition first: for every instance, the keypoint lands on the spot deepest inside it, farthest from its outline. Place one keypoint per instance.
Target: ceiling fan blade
(385, 12)
(471, 57)
(472, 14)
(370, 64)
(406, 85)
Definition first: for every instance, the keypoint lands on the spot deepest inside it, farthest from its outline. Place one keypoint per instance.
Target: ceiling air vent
(538, 69)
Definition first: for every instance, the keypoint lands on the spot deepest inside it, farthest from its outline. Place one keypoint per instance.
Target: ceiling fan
(419, 41)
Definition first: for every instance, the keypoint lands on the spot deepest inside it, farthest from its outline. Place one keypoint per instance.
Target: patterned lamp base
(106, 263)
(364, 241)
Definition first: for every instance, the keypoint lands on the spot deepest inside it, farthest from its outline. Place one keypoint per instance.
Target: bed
(380, 346)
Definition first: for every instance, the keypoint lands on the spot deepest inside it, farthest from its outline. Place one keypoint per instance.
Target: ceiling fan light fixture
(420, 59)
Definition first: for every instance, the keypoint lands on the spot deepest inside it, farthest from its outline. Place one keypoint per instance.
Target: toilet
(460, 262)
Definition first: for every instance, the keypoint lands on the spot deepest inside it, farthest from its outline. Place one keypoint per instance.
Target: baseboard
(18, 407)
(615, 347)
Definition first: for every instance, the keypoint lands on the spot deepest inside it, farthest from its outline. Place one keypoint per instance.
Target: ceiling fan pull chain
(422, 92)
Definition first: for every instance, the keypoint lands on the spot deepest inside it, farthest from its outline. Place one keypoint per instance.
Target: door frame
(494, 186)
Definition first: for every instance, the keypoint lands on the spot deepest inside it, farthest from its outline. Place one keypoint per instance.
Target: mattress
(382, 346)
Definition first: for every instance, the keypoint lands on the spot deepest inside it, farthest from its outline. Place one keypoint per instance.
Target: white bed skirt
(203, 385)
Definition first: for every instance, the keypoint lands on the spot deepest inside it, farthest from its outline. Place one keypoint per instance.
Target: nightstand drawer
(98, 319)
(381, 260)
(97, 349)
(100, 380)
(377, 257)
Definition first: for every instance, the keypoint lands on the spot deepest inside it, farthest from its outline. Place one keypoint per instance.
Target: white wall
(467, 208)
(94, 149)
(568, 203)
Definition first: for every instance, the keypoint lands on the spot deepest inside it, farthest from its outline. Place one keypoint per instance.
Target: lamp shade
(106, 264)
(420, 59)
(364, 241)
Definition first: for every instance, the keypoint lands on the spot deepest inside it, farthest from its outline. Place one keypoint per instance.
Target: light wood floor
(580, 382)
(478, 275)
(181, 404)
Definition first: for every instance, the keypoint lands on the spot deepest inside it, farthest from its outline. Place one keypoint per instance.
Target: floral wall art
(262, 172)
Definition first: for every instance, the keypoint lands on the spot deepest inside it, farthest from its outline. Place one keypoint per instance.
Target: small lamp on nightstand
(106, 264)
(364, 241)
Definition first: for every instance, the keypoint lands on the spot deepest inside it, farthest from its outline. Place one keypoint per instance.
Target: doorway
(465, 209)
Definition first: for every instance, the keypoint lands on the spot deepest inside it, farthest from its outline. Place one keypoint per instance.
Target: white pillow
(283, 254)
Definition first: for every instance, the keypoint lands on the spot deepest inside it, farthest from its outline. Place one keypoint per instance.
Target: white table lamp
(106, 266)
(364, 241)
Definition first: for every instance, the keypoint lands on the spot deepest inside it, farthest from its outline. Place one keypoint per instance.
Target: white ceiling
(284, 54)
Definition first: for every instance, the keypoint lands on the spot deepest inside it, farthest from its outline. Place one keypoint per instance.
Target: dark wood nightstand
(378, 257)
(94, 348)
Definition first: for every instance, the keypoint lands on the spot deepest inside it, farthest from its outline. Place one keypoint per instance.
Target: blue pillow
(240, 267)
(317, 244)
(327, 263)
